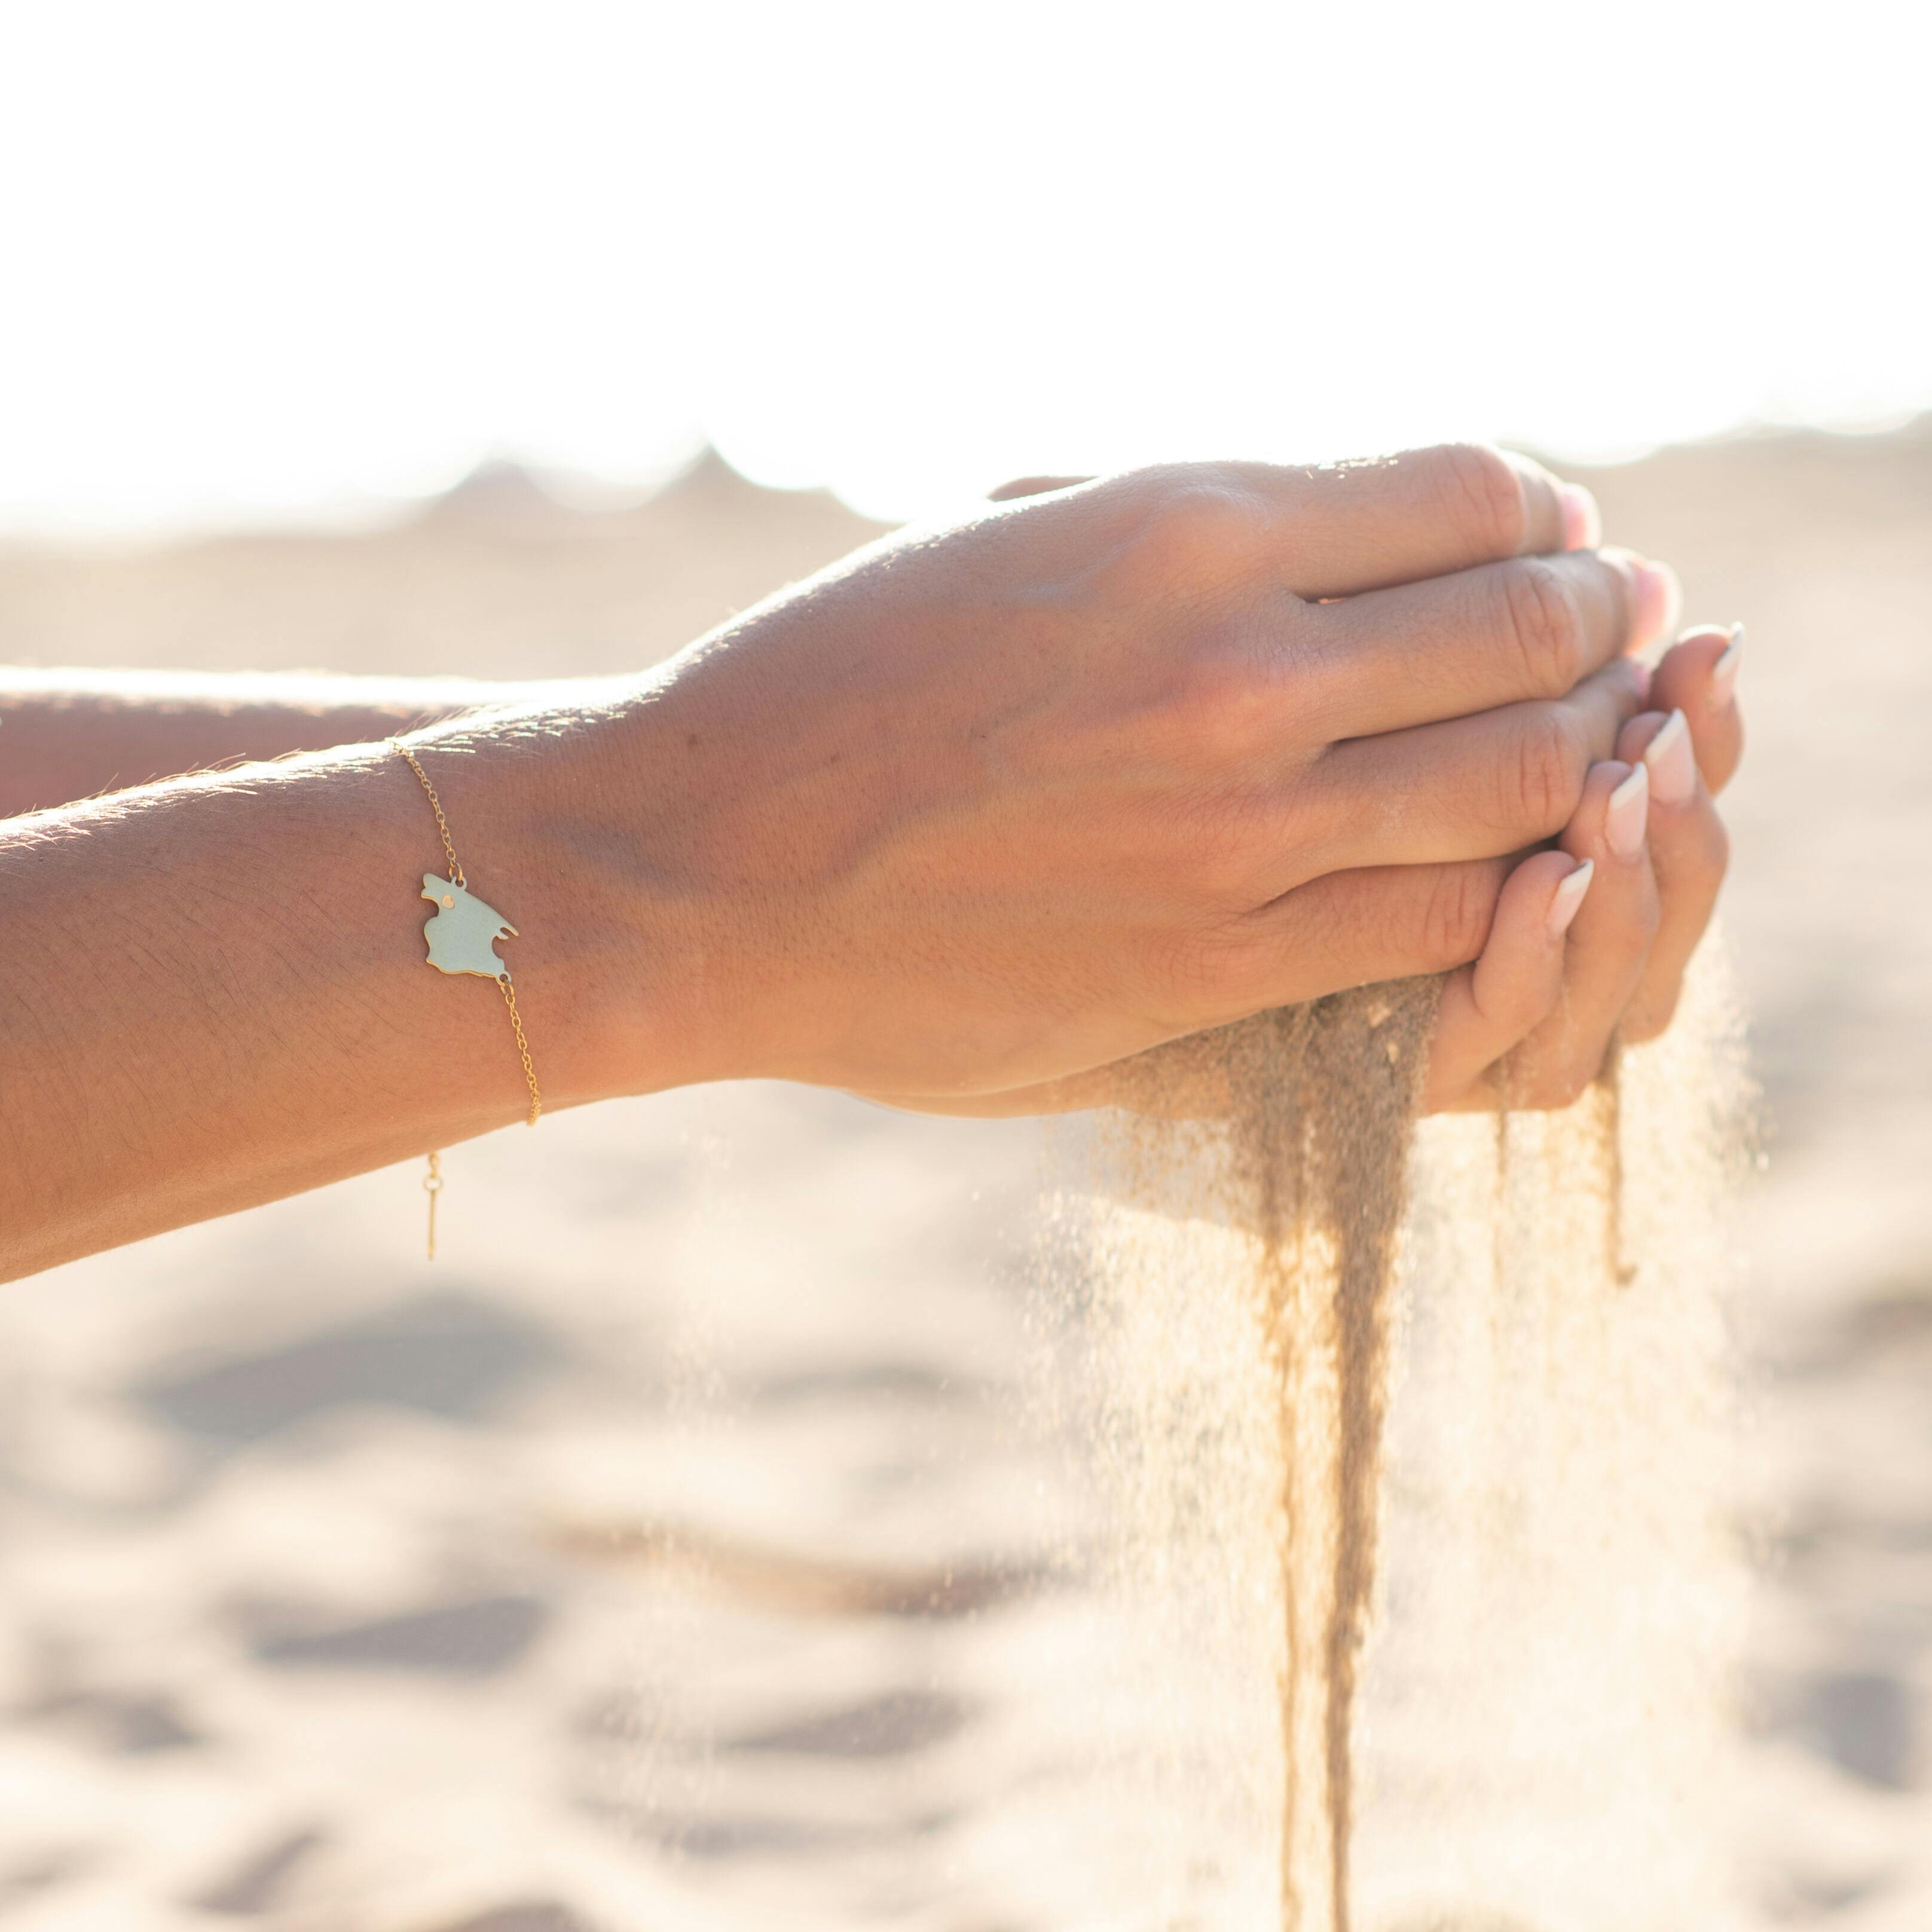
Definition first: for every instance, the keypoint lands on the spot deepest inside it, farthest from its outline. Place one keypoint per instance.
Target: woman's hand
(988, 809)
(979, 809)
(1590, 938)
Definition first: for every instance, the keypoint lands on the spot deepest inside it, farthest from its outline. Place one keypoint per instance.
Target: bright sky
(257, 260)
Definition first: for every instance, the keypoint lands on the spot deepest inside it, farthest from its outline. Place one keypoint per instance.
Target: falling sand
(1467, 1377)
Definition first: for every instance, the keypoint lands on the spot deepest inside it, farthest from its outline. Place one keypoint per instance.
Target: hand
(1590, 939)
(977, 809)
(988, 809)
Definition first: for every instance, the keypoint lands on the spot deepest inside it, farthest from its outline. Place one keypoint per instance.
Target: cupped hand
(1589, 939)
(988, 807)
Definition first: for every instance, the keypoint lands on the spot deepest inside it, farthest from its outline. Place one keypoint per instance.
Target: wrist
(573, 822)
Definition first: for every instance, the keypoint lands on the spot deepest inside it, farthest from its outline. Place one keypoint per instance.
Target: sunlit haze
(266, 261)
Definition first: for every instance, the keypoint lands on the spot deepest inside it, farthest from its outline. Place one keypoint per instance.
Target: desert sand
(698, 1543)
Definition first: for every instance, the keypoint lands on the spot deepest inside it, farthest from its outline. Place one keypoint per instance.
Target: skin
(976, 813)
(1531, 1021)
(70, 735)
(1552, 1005)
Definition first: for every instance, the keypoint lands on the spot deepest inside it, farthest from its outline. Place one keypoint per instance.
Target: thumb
(1034, 486)
(1353, 928)
(1345, 929)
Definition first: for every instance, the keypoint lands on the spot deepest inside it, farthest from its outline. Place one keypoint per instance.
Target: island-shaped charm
(464, 934)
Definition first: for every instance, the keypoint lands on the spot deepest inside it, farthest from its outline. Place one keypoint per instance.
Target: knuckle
(1542, 621)
(1456, 917)
(1190, 515)
(1544, 777)
(1482, 495)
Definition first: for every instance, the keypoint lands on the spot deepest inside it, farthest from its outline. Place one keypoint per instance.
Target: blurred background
(696, 1544)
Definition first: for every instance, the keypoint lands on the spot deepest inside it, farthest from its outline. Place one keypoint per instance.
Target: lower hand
(1589, 939)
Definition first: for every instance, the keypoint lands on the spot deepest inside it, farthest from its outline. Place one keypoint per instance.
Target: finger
(1337, 530)
(1607, 947)
(1698, 676)
(1688, 852)
(1469, 788)
(1531, 627)
(1351, 928)
(1034, 486)
(1345, 929)
(1489, 1007)
(1362, 527)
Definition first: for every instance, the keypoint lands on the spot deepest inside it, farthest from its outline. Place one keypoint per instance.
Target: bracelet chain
(433, 1185)
(456, 878)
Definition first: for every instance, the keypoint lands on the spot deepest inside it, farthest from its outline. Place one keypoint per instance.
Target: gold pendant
(463, 933)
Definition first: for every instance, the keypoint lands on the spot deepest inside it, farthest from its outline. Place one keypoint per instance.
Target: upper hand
(986, 809)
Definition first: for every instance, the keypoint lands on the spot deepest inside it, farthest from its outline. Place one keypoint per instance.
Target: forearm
(66, 735)
(213, 990)
(978, 811)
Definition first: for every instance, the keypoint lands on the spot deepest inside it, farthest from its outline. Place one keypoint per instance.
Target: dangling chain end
(432, 1186)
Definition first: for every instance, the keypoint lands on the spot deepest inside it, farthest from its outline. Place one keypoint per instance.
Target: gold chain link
(433, 1184)
(523, 1047)
(456, 877)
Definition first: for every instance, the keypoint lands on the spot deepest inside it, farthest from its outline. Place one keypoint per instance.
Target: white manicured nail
(1628, 813)
(1567, 900)
(1672, 764)
(1724, 672)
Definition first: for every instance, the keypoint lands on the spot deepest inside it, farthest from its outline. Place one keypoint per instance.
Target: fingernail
(1671, 762)
(1724, 672)
(1567, 900)
(1628, 813)
(1660, 601)
(1582, 521)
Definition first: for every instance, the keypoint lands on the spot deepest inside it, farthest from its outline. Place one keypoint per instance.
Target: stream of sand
(1467, 1380)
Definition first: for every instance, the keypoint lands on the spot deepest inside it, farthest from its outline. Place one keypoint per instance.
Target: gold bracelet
(463, 933)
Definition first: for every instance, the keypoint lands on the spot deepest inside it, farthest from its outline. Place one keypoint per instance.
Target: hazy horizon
(266, 264)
